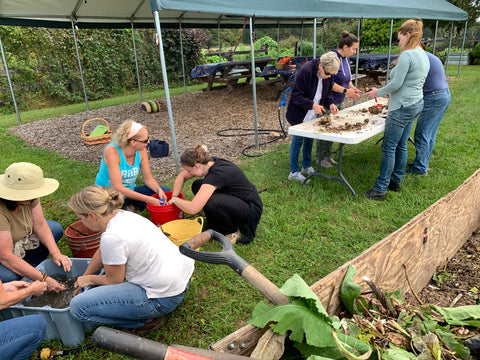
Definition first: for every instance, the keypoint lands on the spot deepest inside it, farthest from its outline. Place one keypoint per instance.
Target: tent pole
(389, 50)
(10, 82)
(181, 53)
(136, 61)
(449, 46)
(463, 45)
(219, 44)
(357, 58)
(314, 37)
(167, 91)
(278, 39)
(79, 63)
(254, 85)
(435, 37)
(301, 40)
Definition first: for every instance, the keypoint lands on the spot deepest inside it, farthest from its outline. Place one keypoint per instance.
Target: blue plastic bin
(61, 324)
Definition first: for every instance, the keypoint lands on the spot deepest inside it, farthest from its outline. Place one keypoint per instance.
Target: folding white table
(350, 126)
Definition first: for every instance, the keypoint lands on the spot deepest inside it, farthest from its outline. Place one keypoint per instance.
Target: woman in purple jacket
(311, 93)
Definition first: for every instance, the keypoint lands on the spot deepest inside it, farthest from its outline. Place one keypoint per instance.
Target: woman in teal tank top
(123, 159)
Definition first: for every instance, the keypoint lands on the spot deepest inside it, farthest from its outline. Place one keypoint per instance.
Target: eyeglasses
(143, 141)
(326, 72)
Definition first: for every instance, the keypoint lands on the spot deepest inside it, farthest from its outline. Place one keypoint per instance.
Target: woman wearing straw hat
(145, 277)
(26, 237)
(123, 160)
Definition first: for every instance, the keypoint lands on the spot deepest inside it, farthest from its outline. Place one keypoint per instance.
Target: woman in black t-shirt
(230, 201)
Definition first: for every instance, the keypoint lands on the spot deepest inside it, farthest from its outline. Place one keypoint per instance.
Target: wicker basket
(280, 66)
(97, 139)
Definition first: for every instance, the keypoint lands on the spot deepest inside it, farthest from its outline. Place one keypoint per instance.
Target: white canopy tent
(207, 13)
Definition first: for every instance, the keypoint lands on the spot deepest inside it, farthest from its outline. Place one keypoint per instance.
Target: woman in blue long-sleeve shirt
(404, 104)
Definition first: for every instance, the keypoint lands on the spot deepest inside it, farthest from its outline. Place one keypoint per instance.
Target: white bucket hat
(24, 181)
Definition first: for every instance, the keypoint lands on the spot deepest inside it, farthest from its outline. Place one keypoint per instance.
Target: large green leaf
(297, 287)
(349, 290)
(463, 315)
(295, 317)
(397, 354)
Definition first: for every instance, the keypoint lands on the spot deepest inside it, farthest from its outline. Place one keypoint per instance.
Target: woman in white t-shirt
(145, 277)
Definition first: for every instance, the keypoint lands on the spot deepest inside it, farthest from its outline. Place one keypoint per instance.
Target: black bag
(158, 148)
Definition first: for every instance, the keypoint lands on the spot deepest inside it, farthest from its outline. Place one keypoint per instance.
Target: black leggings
(225, 213)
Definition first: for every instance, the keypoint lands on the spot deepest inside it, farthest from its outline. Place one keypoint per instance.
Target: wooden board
(416, 250)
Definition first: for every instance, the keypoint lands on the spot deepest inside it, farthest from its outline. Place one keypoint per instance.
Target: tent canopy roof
(211, 13)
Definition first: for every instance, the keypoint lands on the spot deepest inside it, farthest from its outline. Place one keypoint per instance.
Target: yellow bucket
(179, 231)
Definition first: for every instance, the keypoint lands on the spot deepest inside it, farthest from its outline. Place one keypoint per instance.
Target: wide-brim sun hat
(24, 181)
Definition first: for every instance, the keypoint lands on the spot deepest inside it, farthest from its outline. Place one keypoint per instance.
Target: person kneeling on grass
(227, 197)
(146, 276)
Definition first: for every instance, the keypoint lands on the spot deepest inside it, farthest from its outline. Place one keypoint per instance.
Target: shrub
(475, 55)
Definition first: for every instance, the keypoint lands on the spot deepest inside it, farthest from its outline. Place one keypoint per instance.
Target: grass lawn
(308, 230)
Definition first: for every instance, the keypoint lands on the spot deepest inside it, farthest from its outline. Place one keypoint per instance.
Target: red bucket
(82, 241)
(161, 214)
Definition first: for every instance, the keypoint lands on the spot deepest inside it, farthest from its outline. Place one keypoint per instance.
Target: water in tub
(55, 300)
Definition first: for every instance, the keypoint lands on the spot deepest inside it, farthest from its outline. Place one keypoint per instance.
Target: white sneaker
(331, 161)
(296, 176)
(308, 171)
(325, 164)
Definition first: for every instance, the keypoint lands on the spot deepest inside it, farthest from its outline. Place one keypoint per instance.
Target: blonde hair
(196, 155)
(96, 199)
(120, 136)
(331, 62)
(414, 27)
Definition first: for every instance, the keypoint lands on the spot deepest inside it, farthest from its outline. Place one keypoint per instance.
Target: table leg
(340, 176)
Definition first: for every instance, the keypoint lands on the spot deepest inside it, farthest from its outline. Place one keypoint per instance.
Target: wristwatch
(344, 90)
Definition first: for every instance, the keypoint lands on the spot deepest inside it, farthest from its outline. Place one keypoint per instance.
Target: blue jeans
(144, 190)
(35, 256)
(121, 305)
(19, 337)
(398, 126)
(435, 105)
(297, 142)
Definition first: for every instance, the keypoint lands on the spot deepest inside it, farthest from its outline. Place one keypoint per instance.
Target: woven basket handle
(101, 119)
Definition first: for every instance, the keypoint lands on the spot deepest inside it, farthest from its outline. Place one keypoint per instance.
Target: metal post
(181, 53)
(167, 91)
(219, 44)
(254, 86)
(389, 51)
(136, 61)
(435, 37)
(301, 40)
(357, 59)
(79, 63)
(463, 45)
(278, 40)
(10, 82)
(449, 46)
(314, 37)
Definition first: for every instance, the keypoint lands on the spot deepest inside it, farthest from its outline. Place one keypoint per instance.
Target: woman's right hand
(54, 285)
(153, 201)
(38, 288)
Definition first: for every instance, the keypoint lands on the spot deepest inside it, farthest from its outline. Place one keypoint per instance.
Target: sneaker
(308, 171)
(296, 176)
(411, 171)
(376, 195)
(326, 164)
(331, 161)
(393, 186)
(233, 237)
(130, 208)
